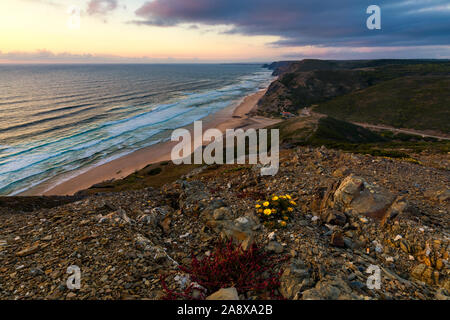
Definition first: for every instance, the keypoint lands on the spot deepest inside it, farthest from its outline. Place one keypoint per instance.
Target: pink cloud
(101, 7)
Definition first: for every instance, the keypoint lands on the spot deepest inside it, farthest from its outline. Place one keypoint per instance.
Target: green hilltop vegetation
(418, 102)
(326, 131)
(399, 93)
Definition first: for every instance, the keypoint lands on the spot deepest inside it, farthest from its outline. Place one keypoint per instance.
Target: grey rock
(356, 197)
(294, 280)
(274, 246)
(330, 289)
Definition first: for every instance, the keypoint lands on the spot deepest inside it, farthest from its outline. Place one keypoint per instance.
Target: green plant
(154, 171)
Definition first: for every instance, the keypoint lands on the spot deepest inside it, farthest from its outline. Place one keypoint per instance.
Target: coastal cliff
(399, 93)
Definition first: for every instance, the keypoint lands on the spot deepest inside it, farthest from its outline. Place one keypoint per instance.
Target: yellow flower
(275, 198)
(266, 204)
(286, 218)
(288, 196)
(258, 206)
(260, 210)
(283, 197)
(283, 223)
(293, 202)
(274, 210)
(290, 209)
(267, 212)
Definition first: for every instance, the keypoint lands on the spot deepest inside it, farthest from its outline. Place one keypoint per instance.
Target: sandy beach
(232, 117)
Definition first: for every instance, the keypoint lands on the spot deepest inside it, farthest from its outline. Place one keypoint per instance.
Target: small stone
(337, 240)
(274, 246)
(404, 245)
(357, 284)
(349, 243)
(221, 213)
(36, 272)
(29, 250)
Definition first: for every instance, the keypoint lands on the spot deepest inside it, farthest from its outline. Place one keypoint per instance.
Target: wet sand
(229, 118)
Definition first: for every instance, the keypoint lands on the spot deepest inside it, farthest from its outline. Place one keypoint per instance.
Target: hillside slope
(417, 102)
(126, 242)
(400, 93)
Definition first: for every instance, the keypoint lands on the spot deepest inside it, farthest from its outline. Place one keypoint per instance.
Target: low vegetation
(228, 266)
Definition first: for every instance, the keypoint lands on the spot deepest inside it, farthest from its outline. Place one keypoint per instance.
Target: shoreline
(232, 117)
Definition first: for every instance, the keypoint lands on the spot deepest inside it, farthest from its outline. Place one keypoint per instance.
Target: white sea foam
(59, 158)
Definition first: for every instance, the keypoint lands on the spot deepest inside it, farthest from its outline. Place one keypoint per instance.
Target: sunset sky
(164, 31)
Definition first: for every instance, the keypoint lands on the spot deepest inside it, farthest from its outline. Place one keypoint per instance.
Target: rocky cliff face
(295, 89)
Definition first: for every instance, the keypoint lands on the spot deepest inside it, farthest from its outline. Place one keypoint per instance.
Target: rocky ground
(352, 212)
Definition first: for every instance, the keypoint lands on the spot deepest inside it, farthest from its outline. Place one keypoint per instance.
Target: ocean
(58, 120)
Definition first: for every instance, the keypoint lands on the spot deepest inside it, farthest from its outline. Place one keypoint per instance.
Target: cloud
(46, 56)
(101, 7)
(46, 2)
(424, 52)
(327, 23)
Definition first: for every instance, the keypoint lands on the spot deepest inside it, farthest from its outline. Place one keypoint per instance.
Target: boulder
(294, 280)
(245, 238)
(356, 197)
(330, 289)
(240, 231)
(224, 294)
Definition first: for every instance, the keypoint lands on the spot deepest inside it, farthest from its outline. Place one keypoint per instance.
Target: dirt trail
(407, 131)
(308, 112)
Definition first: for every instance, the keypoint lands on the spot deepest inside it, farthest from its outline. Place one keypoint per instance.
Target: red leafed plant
(230, 266)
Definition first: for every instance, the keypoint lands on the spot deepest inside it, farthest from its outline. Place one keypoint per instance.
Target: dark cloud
(328, 23)
(101, 6)
(424, 52)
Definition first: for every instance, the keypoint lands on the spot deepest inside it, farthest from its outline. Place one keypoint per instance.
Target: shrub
(154, 171)
(276, 211)
(230, 266)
